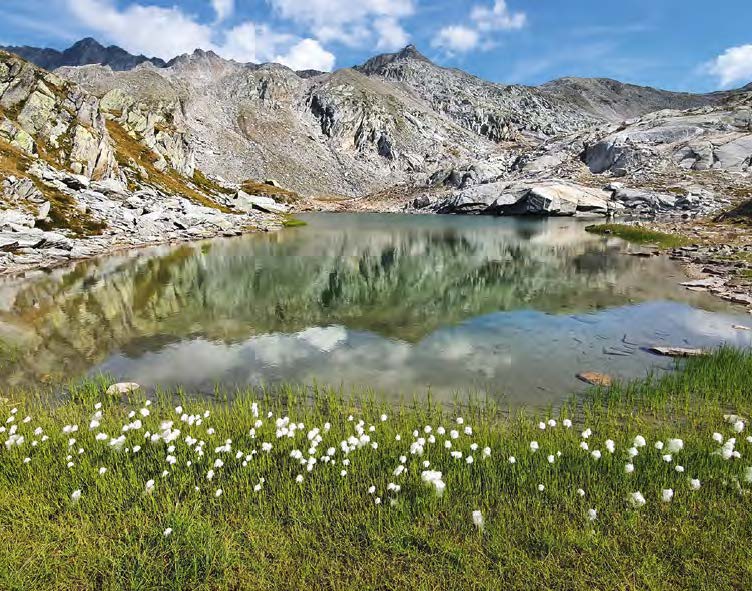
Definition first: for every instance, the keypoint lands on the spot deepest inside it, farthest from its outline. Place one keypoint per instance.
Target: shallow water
(399, 304)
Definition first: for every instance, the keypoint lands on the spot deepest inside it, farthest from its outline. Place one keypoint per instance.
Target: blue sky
(679, 45)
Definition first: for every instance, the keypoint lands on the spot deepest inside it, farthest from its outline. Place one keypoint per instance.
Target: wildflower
(718, 437)
(679, 469)
(629, 468)
(542, 426)
(441, 431)
(592, 514)
(460, 420)
(456, 455)
(171, 460)
(551, 459)
(667, 494)
(384, 418)
(398, 437)
(448, 444)
(610, 446)
(474, 446)
(76, 495)
(343, 473)
(567, 423)
(371, 489)
(144, 412)
(674, 445)
(101, 437)
(218, 493)
(534, 446)
(584, 445)
(167, 533)
(694, 484)
(639, 441)
(659, 445)
(299, 478)
(469, 459)
(587, 433)
(399, 470)
(632, 452)
(149, 485)
(210, 474)
(478, 519)
(551, 423)
(596, 453)
(434, 478)
(667, 458)
(636, 499)
(486, 452)
(580, 492)
(219, 463)
(70, 464)
(454, 434)
(512, 460)
(267, 447)
(136, 449)
(377, 501)
(541, 488)
(738, 426)
(26, 460)
(102, 470)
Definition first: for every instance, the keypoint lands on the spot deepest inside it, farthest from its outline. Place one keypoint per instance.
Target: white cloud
(223, 8)
(391, 34)
(355, 23)
(485, 20)
(497, 18)
(457, 39)
(307, 54)
(733, 66)
(168, 32)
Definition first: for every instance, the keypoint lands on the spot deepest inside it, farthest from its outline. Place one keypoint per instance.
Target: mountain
(81, 53)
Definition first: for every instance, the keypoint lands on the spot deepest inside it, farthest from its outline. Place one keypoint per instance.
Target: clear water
(398, 304)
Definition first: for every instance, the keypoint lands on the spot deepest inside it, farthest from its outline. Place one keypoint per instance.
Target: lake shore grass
(639, 235)
(174, 492)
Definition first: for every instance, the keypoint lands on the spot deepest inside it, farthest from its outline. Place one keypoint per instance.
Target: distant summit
(82, 53)
(377, 64)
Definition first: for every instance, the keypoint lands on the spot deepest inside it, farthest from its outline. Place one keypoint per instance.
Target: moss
(129, 151)
(290, 221)
(277, 193)
(639, 235)
(208, 185)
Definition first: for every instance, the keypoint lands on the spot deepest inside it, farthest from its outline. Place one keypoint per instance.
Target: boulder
(122, 388)
(14, 217)
(247, 203)
(43, 211)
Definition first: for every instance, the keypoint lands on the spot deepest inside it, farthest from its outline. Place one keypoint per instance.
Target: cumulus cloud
(355, 23)
(457, 39)
(484, 21)
(733, 66)
(168, 32)
(223, 9)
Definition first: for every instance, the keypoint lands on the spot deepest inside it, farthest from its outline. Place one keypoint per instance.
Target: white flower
(667, 494)
(299, 478)
(441, 431)
(551, 423)
(694, 484)
(371, 489)
(541, 488)
(448, 444)
(167, 533)
(567, 423)
(478, 519)
(551, 459)
(674, 445)
(469, 459)
(486, 452)
(101, 437)
(144, 412)
(26, 460)
(343, 473)
(218, 493)
(454, 434)
(596, 453)
(102, 471)
(534, 446)
(718, 437)
(474, 446)
(629, 468)
(267, 447)
(580, 492)
(218, 463)
(659, 445)
(542, 426)
(636, 499)
(632, 452)
(610, 446)
(738, 426)
(210, 474)
(149, 485)
(679, 469)
(584, 445)
(639, 441)
(377, 501)
(460, 420)
(667, 458)
(592, 514)
(76, 495)
(587, 433)
(512, 460)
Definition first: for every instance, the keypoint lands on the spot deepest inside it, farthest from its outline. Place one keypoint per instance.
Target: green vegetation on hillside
(639, 235)
(639, 487)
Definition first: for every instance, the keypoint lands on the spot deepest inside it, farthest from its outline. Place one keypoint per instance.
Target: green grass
(328, 533)
(290, 221)
(639, 235)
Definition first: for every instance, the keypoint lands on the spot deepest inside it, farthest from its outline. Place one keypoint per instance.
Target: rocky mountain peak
(379, 64)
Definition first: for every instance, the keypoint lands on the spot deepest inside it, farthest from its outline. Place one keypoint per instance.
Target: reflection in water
(398, 303)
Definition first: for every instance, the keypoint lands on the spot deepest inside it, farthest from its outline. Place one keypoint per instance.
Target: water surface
(399, 304)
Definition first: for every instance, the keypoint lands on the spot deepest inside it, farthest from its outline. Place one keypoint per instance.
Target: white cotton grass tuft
(694, 484)
(592, 514)
(478, 519)
(674, 445)
(76, 495)
(636, 499)
(434, 478)
(667, 495)
(167, 533)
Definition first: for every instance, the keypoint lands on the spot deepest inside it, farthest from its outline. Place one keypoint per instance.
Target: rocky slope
(80, 176)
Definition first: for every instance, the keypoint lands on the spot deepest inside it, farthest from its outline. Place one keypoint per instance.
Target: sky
(674, 44)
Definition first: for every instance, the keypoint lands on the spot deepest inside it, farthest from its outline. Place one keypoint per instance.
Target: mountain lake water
(400, 305)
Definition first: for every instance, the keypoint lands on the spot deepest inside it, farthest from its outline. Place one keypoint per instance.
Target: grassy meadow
(642, 486)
